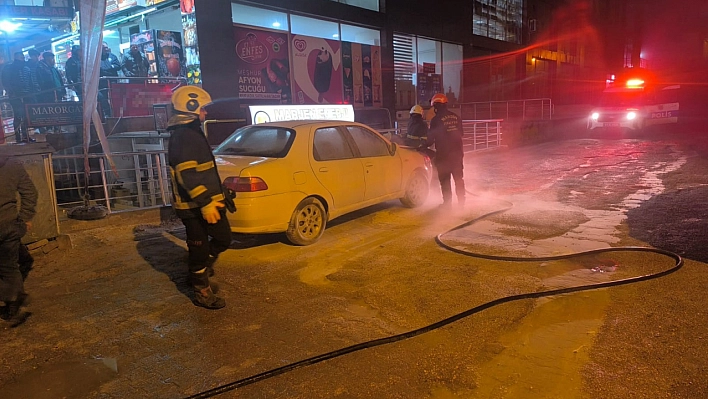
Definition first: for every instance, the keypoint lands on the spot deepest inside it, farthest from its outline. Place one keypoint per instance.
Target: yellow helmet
(417, 109)
(190, 99)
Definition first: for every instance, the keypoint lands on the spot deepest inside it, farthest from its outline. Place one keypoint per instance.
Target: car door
(337, 168)
(382, 171)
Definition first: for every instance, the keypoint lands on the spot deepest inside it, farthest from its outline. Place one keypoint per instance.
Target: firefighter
(417, 130)
(198, 198)
(446, 134)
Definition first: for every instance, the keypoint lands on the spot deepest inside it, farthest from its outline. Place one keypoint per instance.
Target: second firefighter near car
(295, 176)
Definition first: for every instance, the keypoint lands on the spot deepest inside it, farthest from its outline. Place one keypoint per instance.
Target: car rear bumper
(266, 214)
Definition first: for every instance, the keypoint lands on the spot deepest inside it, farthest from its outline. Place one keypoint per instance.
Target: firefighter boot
(203, 293)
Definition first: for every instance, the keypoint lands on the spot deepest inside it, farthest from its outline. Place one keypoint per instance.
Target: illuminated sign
(36, 12)
(277, 113)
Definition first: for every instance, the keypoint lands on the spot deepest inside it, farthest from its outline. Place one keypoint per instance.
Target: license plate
(612, 124)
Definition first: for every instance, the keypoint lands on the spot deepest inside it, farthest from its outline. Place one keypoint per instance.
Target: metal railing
(537, 108)
(482, 134)
(478, 134)
(142, 180)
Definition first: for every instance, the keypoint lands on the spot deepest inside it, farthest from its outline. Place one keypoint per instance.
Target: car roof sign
(277, 113)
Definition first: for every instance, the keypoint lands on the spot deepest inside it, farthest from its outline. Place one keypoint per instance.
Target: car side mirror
(392, 148)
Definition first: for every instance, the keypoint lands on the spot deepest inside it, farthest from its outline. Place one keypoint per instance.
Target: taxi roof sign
(277, 113)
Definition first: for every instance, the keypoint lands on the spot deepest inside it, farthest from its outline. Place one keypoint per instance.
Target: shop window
(313, 27)
(423, 67)
(368, 4)
(452, 70)
(260, 17)
(356, 34)
(429, 52)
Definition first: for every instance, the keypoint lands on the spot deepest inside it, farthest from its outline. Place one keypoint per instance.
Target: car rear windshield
(258, 141)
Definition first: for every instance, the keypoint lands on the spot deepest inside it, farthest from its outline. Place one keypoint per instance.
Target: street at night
(108, 326)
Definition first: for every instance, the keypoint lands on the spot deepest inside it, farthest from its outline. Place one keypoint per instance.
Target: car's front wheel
(307, 222)
(417, 191)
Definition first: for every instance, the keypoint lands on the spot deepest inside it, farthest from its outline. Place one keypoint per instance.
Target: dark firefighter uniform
(198, 200)
(417, 131)
(446, 133)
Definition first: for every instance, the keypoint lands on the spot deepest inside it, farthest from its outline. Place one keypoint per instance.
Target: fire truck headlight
(595, 116)
(631, 115)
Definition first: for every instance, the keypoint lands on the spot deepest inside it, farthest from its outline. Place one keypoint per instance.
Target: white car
(294, 176)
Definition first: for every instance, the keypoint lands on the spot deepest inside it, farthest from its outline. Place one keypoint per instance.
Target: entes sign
(55, 114)
(277, 113)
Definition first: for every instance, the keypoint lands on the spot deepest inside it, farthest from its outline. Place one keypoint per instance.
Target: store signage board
(36, 12)
(54, 114)
(277, 113)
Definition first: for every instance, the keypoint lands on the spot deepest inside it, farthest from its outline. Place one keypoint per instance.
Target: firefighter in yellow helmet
(198, 198)
(446, 134)
(417, 130)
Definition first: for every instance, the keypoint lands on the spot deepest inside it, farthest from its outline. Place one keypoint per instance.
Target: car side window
(368, 142)
(329, 144)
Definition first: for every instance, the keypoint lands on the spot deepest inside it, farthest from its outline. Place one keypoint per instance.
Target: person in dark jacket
(198, 198)
(135, 63)
(14, 223)
(109, 68)
(73, 70)
(417, 130)
(16, 79)
(50, 81)
(446, 133)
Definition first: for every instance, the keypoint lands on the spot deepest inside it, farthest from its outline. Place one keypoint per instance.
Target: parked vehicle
(295, 176)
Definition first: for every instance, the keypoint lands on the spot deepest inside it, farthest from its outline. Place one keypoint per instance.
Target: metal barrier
(482, 134)
(144, 184)
(537, 108)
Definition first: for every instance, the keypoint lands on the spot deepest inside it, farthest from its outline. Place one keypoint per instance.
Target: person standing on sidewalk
(14, 224)
(446, 133)
(198, 198)
(17, 80)
(73, 70)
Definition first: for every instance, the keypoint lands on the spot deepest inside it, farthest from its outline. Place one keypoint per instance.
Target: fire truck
(634, 102)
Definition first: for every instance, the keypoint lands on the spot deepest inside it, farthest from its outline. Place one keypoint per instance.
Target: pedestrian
(446, 134)
(73, 70)
(14, 223)
(109, 68)
(50, 81)
(198, 198)
(135, 63)
(16, 79)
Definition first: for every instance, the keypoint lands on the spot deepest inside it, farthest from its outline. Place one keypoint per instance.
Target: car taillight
(245, 184)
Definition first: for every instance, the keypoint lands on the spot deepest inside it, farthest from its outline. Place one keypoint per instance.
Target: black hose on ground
(442, 323)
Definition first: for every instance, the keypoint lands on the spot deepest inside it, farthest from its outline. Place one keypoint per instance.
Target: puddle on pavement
(545, 355)
(75, 379)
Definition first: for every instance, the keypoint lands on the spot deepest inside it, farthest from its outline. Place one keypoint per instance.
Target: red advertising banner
(262, 66)
(317, 71)
(137, 99)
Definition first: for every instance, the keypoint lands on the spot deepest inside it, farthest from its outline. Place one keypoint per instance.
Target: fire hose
(469, 312)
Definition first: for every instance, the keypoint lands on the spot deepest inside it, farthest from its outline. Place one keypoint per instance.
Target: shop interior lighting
(129, 17)
(9, 27)
(276, 24)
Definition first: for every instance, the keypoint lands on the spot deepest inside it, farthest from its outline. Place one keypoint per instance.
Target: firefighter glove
(211, 213)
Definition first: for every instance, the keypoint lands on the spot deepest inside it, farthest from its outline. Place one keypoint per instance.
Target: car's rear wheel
(307, 222)
(417, 191)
